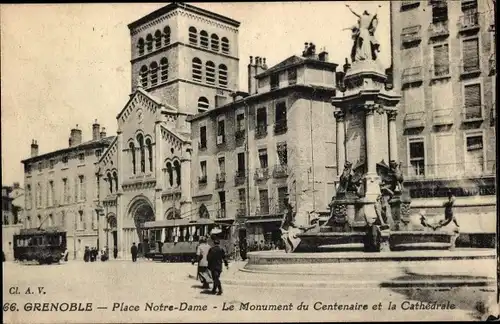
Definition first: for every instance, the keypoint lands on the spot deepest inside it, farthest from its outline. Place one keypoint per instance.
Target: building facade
(273, 143)
(61, 188)
(443, 55)
(184, 61)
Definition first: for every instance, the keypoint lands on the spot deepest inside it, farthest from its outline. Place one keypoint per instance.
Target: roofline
(306, 61)
(174, 5)
(98, 143)
(106, 151)
(260, 96)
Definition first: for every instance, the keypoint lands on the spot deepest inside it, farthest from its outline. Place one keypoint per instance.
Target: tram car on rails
(177, 240)
(44, 245)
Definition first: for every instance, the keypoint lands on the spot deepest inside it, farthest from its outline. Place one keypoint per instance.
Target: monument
(371, 205)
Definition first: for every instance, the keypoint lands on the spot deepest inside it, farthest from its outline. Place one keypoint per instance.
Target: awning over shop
(263, 220)
(177, 222)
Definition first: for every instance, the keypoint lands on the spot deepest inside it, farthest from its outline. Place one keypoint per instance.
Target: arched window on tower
(150, 153)
(225, 45)
(210, 72)
(204, 39)
(164, 69)
(110, 182)
(177, 168)
(115, 178)
(214, 42)
(140, 46)
(140, 140)
(153, 73)
(223, 75)
(196, 66)
(131, 146)
(193, 36)
(144, 76)
(157, 39)
(166, 39)
(149, 43)
(170, 174)
(203, 104)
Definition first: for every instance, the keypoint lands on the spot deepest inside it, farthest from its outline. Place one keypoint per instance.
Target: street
(166, 292)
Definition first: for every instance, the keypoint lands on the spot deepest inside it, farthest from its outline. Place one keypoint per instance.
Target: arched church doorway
(111, 230)
(141, 212)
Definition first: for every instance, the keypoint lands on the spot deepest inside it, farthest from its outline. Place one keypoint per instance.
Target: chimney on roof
(34, 148)
(264, 65)
(259, 67)
(75, 137)
(252, 82)
(103, 132)
(323, 56)
(95, 130)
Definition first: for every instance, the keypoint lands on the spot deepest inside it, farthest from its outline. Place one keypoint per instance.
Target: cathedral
(184, 59)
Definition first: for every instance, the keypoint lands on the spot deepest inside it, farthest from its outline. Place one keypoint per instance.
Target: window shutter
(441, 60)
(471, 54)
(473, 101)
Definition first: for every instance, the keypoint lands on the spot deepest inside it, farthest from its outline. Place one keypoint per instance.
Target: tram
(176, 240)
(45, 245)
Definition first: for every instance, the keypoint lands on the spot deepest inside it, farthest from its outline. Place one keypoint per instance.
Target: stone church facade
(184, 61)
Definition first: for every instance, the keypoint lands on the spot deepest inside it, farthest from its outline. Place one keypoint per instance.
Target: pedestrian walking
(86, 254)
(133, 251)
(216, 255)
(202, 253)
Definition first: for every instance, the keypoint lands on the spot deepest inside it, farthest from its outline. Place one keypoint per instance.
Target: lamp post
(99, 210)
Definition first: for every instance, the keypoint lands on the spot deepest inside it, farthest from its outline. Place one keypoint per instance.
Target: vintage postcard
(249, 162)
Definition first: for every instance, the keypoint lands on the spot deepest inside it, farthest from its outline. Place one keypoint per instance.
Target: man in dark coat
(133, 251)
(86, 254)
(216, 255)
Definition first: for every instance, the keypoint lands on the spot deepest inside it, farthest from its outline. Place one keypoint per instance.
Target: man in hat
(202, 253)
(134, 251)
(216, 255)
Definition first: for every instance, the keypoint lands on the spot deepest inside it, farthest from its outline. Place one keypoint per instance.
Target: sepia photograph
(210, 162)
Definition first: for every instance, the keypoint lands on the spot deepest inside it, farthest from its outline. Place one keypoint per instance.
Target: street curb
(362, 284)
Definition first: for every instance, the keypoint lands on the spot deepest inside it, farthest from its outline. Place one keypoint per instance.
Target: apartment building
(443, 55)
(61, 188)
(275, 142)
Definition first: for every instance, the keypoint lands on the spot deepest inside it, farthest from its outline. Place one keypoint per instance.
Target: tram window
(169, 234)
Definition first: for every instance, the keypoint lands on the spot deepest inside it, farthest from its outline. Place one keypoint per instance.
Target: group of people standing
(210, 260)
(91, 254)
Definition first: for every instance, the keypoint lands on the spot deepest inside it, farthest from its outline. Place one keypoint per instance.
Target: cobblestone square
(123, 291)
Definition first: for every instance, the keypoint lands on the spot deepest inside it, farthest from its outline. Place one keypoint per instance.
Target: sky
(64, 65)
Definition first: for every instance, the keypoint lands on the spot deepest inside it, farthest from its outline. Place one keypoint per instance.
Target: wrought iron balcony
(202, 145)
(269, 207)
(280, 127)
(239, 135)
(280, 171)
(412, 75)
(469, 22)
(261, 174)
(220, 180)
(239, 177)
(439, 29)
(221, 213)
(202, 180)
(442, 117)
(260, 130)
(450, 171)
(414, 120)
